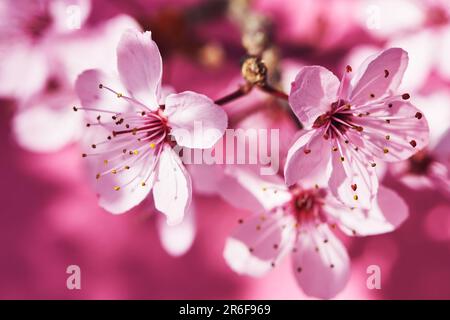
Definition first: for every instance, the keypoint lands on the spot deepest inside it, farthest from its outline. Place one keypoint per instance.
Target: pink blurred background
(50, 218)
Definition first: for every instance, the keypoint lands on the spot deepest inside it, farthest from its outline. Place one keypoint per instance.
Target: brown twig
(242, 91)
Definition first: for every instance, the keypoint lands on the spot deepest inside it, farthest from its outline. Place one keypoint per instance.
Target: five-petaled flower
(300, 220)
(351, 125)
(135, 125)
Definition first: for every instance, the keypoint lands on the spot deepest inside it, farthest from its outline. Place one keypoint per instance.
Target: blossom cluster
(303, 150)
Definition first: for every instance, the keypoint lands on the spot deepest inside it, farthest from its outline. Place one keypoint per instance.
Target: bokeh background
(49, 218)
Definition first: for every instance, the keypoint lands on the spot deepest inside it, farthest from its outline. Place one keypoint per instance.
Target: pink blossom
(353, 124)
(300, 221)
(135, 127)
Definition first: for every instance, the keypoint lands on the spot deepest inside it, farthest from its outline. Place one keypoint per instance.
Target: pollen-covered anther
(385, 150)
(413, 143)
(119, 95)
(152, 145)
(97, 176)
(143, 184)
(105, 161)
(135, 152)
(114, 171)
(355, 197)
(116, 188)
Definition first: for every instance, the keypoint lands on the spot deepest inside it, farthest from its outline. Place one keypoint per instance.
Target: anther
(348, 68)
(385, 150)
(354, 187)
(117, 188)
(405, 96)
(413, 143)
(75, 109)
(419, 115)
(386, 73)
(100, 86)
(355, 197)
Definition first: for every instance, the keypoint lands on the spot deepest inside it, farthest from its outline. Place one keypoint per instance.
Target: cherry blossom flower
(353, 124)
(135, 125)
(300, 221)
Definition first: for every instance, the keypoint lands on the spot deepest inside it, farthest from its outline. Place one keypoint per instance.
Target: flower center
(420, 162)
(306, 204)
(37, 25)
(148, 127)
(337, 121)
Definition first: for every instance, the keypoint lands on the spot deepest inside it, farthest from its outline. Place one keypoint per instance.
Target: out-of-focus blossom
(430, 168)
(133, 153)
(300, 220)
(311, 22)
(422, 28)
(28, 30)
(352, 124)
(44, 121)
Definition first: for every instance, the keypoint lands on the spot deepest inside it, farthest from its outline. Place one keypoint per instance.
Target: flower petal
(140, 66)
(308, 159)
(245, 189)
(195, 120)
(178, 239)
(172, 189)
(258, 244)
(312, 93)
(353, 180)
(378, 75)
(388, 212)
(91, 95)
(394, 131)
(321, 264)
